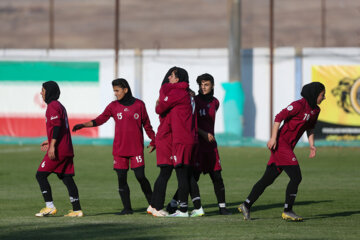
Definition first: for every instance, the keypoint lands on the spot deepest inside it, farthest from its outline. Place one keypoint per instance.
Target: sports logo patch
(136, 116)
(294, 159)
(126, 110)
(166, 98)
(290, 107)
(43, 164)
(53, 117)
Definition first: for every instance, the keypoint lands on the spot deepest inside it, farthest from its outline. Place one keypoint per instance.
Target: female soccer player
(207, 157)
(177, 101)
(176, 135)
(163, 157)
(298, 117)
(60, 154)
(130, 117)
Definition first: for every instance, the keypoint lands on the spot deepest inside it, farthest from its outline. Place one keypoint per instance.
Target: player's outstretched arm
(82, 125)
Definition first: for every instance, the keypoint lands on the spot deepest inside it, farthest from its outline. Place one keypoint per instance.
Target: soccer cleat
(290, 215)
(179, 213)
(150, 209)
(46, 212)
(224, 211)
(170, 209)
(72, 213)
(160, 213)
(126, 211)
(245, 211)
(197, 212)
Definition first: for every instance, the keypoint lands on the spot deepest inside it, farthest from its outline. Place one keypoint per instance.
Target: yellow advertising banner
(340, 111)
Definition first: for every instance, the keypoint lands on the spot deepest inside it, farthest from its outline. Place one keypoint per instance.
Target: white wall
(198, 61)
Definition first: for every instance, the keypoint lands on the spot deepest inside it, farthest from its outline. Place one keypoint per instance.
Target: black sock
(73, 192)
(45, 188)
(271, 173)
(182, 175)
(158, 196)
(294, 174)
(144, 183)
(219, 187)
(124, 190)
(194, 190)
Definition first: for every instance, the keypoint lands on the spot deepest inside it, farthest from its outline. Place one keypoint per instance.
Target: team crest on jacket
(166, 98)
(136, 116)
(290, 107)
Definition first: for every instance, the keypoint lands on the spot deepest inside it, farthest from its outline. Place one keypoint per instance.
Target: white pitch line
(15, 150)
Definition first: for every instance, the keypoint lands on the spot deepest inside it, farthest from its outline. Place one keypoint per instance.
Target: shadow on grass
(338, 214)
(88, 231)
(232, 207)
(281, 205)
(117, 212)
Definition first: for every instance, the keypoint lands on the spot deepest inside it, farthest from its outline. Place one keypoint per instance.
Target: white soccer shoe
(179, 213)
(197, 212)
(160, 213)
(150, 209)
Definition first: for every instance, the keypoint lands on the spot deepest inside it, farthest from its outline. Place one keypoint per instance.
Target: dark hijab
(128, 99)
(52, 91)
(206, 77)
(311, 92)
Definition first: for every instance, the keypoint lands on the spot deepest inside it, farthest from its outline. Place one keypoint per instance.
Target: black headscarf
(128, 99)
(311, 92)
(52, 91)
(207, 77)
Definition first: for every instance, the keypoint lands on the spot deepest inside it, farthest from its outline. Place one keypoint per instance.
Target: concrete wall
(155, 63)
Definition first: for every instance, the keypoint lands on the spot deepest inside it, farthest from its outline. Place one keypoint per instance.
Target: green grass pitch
(328, 198)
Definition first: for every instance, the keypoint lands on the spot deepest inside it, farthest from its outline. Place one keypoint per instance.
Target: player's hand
(51, 152)
(78, 127)
(44, 146)
(191, 92)
(152, 148)
(211, 137)
(271, 144)
(312, 152)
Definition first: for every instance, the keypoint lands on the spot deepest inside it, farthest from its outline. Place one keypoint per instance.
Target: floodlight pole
(271, 61)
(323, 23)
(51, 24)
(235, 41)
(116, 43)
